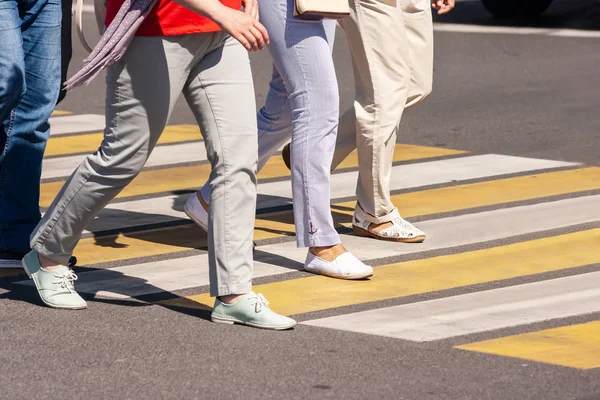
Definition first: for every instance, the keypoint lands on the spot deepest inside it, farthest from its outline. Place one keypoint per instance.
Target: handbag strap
(79, 25)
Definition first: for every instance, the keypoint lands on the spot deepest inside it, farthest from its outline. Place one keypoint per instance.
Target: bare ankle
(231, 298)
(328, 253)
(48, 264)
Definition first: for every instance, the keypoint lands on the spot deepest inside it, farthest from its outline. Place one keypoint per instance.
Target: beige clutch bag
(319, 9)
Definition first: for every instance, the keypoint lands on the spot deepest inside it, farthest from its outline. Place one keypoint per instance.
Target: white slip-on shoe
(345, 266)
(196, 212)
(401, 230)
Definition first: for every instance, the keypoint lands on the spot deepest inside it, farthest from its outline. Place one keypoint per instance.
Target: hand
(243, 27)
(251, 8)
(443, 6)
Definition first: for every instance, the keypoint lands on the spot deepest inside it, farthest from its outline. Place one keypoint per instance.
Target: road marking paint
(475, 228)
(191, 177)
(157, 277)
(476, 312)
(421, 174)
(491, 192)
(169, 208)
(63, 167)
(461, 230)
(279, 224)
(89, 143)
(575, 346)
(57, 113)
(402, 279)
(514, 30)
(65, 124)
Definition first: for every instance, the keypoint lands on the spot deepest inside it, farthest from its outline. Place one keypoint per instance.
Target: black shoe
(285, 154)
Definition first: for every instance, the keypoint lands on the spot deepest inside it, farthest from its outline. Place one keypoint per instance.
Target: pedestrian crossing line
(477, 312)
(268, 226)
(275, 167)
(64, 124)
(488, 193)
(274, 259)
(194, 152)
(460, 197)
(191, 177)
(89, 142)
(303, 295)
(575, 346)
(427, 202)
(57, 113)
(63, 167)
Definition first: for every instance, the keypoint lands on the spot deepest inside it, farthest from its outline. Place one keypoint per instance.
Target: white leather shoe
(345, 266)
(196, 211)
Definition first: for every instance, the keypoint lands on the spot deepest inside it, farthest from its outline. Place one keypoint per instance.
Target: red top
(169, 18)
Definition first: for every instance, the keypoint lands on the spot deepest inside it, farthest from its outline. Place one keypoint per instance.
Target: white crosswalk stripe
(69, 124)
(165, 155)
(476, 312)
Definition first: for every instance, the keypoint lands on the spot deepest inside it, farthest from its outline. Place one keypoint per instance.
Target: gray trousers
(213, 72)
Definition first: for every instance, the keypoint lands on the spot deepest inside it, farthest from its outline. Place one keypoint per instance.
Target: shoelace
(260, 301)
(66, 280)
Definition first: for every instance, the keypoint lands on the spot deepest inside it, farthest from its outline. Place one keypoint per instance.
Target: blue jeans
(303, 102)
(29, 85)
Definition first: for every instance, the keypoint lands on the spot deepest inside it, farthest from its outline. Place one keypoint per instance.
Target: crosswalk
(528, 227)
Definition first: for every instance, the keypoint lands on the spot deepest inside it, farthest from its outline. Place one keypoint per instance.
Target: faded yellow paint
(575, 346)
(89, 142)
(402, 279)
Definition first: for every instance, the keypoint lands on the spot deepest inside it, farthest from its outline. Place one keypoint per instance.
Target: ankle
(48, 264)
(231, 298)
(328, 253)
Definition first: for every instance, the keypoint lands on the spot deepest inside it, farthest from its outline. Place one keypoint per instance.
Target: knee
(12, 86)
(121, 166)
(419, 92)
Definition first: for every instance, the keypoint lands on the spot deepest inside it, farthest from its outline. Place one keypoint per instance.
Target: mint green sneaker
(55, 287)
(252, 310)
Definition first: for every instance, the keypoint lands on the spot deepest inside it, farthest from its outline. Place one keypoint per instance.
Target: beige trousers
(391, 42)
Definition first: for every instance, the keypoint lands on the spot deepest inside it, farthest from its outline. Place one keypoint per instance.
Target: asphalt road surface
(500, 167)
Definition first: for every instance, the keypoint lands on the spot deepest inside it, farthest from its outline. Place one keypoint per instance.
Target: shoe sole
(196, 221)
(221, 320)
(352, 277)
(365, 233)
(44, 301)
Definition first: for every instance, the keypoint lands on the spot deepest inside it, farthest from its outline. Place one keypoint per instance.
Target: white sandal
(401, 230)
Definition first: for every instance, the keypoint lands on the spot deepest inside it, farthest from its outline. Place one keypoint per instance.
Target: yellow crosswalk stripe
(575, 346)
(58, 113)
(168, 240)
(191, 177)
(462, 197)
(402, 279)
(89, 142)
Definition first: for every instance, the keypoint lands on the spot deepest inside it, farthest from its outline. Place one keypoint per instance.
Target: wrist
(215, 11)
